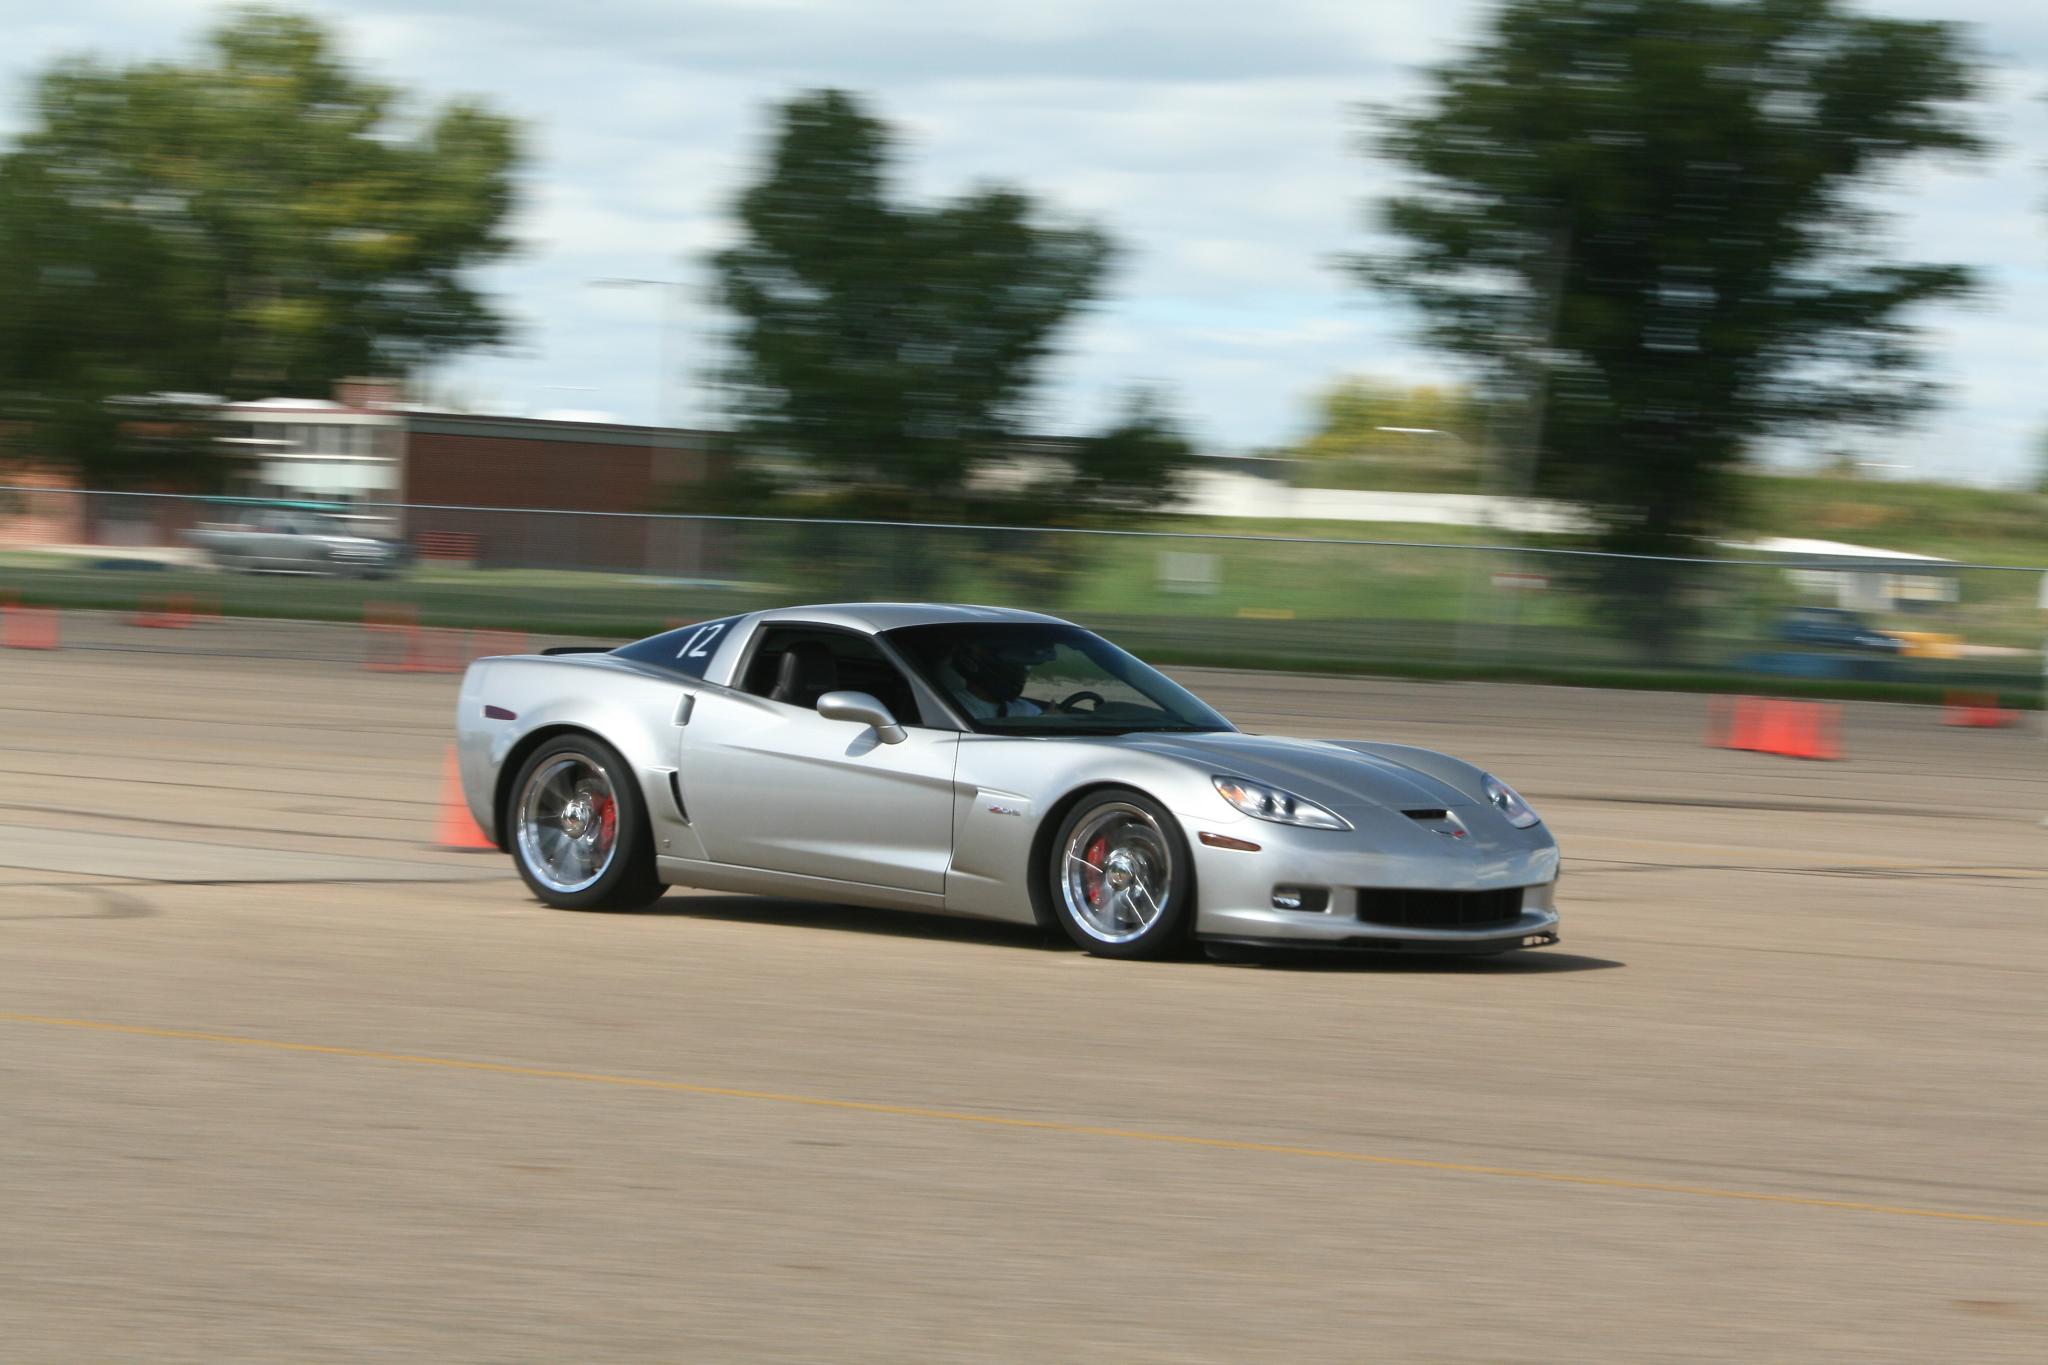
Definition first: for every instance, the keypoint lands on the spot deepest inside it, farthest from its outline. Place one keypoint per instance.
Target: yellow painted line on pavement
(1030, 1125)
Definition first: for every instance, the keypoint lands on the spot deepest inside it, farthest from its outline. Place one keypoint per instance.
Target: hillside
(1978, 525)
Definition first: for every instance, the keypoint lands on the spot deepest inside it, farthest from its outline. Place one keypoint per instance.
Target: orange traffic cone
(1977, 710)
(1819, 731)
(390, 630)
(458, 829)
(436, 649)
(171, 612)
(1773, 726)
(1788, 728)
(27, 627)
(1742, 724)
(1761, 733)
(1766, 725)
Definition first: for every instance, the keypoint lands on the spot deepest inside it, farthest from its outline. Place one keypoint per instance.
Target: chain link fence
(1256, 601)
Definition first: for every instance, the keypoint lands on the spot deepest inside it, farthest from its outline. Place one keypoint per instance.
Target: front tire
(578, 828)
(1121, 881)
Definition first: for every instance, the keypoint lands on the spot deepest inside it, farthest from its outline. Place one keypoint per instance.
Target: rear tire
(577, 828)
(1120, 880)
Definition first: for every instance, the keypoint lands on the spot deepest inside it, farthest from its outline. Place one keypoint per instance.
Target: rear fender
(633, 713)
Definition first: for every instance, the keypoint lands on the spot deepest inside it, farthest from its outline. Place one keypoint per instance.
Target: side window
(687, 651)
(799, 664)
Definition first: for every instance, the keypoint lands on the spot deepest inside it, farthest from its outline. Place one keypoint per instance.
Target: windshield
(1024, 678)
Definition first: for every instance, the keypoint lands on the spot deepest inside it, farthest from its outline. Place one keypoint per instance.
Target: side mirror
(859, 706)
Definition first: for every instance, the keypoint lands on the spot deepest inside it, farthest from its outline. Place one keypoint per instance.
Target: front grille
(1438, 909)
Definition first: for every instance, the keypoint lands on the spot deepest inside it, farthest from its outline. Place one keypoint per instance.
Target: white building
(349, 449)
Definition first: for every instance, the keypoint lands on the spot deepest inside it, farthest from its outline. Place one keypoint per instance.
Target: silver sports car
(982, 762)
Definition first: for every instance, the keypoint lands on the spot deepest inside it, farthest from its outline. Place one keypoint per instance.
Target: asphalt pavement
(280, 1080)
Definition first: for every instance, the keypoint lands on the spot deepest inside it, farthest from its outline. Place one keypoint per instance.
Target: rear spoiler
(578, 649)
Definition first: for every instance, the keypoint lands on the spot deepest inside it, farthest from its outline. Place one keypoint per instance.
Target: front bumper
(1534, 928)
(1294, 930)
(1236, 890)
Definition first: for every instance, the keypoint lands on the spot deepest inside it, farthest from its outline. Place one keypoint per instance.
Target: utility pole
(666, 412)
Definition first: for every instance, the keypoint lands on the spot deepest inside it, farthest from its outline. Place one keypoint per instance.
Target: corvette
(983, 762)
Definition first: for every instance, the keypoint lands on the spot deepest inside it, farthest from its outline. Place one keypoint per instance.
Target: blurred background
(1368, 365)
(1577, 341)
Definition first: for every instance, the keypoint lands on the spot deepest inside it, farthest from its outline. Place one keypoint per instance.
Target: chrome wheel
(1116, 873)
(568, 825)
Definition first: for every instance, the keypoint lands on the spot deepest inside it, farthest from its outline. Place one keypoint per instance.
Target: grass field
(1405, 609)
(1421, 600)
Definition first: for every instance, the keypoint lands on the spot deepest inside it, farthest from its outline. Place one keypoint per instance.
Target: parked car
(1838, 628)
(291, 540)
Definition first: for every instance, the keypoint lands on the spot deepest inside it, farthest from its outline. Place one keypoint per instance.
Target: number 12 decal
(698, 646)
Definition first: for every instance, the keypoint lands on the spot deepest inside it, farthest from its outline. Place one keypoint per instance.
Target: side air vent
(675, 792)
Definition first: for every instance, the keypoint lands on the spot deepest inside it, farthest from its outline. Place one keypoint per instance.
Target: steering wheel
(1070, 703)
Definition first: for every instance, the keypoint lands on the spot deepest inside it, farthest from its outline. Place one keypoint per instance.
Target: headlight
(1262, 802)
(1509, 802)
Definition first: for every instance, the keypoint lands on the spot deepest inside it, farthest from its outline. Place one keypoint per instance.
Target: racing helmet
(997, 675)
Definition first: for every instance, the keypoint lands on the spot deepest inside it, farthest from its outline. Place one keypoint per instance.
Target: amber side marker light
(1225, 841)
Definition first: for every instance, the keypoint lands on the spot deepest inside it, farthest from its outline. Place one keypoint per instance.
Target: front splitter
(1432, 947)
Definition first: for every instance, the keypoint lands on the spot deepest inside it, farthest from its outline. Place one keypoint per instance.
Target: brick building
(366, 447)
(456, 464)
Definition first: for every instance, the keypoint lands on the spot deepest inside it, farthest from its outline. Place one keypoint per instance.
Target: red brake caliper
(607, 819)
(1097, 851)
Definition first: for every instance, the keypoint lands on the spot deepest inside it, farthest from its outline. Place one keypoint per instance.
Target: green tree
(1374, 434)
(260, 221)
(1139, 465)
(1644, 224)
(1136, 468)
(887, 349)
(1124, 475)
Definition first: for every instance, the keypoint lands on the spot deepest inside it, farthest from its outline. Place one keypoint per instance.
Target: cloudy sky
(1215, 139)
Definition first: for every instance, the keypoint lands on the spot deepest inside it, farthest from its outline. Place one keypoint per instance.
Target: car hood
(1339, 776)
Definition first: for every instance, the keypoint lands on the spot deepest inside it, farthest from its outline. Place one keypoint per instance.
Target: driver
(989, 683)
